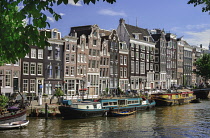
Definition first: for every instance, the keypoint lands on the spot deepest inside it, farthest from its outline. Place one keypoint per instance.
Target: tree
(58, 92)
(203, 67)
(3, 101)
(20, 22)
(205, 4)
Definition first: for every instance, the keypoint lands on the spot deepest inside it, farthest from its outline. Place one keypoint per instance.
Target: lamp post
(83, 86)
(1, 78)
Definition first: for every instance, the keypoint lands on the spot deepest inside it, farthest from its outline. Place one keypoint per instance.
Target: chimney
(200, 45)
(122, 21)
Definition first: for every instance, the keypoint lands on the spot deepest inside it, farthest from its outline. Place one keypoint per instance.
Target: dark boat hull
(13, 116)
(169, 102)
(68, 112)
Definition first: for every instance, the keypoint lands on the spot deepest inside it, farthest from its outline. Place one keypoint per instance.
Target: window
(16, 74)
(137, 67)
(121, 72)
(142, 68)
(151, 66)
(67, 57)
(8, 78)
(67, 71)
(121, 60)
(125, 72)
(25, 85)
(94, 42)
(147, 66)
(27, 55)
(132, 53)
(32, 85)
(57, 53)
(156, 59)
(156, 51)
(33, 53)
(33, 68)
(25, 68)
(73, 48)
(132, 66)
(156, 68)
(49, 71)
(72, 71)
(83, 46)
(125, 60)
(67, 47)
(54, 34)
(57, 72)
(50, 53)
(39, 68)
(72, 58)
(94, 52)
(40, 53)
(70, 84)
(78, 57)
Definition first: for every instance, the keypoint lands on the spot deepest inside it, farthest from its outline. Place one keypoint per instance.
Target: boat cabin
(87, 105)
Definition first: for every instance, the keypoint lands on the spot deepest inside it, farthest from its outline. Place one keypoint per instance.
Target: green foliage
(17, 35)
(59, 92)
(3, 101)
(204, 3)
(203, 66)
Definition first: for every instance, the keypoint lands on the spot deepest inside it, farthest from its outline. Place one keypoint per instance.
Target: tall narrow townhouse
(171, 60)
(197, 53)
(141, 56)
(53, 62)
(70, 61)
(93, 43)
(180, 60)
(32, 72)
(123, 66)
(104, 85)
(10, 75)
(187, 76)
(160, 58)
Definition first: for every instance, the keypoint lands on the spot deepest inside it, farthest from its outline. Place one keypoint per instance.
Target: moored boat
(179, 97)
(102, 107)
(123, 113)
(16, 124)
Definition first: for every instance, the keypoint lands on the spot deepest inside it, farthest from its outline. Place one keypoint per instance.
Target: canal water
(184, 121)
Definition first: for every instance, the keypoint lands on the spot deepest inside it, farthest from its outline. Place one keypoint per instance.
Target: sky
(174, 16)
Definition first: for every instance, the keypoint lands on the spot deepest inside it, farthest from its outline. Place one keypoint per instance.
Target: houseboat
(182, 96)
(103, 107)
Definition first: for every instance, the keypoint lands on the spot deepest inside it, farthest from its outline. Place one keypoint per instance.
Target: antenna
(136, 22)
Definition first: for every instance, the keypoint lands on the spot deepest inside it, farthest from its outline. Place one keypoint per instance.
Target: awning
(85, 89)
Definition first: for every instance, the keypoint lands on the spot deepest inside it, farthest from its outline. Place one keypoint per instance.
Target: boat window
(122, 102)
(105, 104)
(177, 96)
(95, 106)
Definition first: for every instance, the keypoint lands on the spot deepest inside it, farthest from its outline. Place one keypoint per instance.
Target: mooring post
(46, 111)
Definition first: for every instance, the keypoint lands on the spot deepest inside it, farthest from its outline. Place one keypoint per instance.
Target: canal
(184, 121)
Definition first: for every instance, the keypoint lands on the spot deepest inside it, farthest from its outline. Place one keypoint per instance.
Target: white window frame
(33, 68)
(33, 53)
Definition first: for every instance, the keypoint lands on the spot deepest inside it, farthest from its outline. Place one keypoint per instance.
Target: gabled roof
(134, 29)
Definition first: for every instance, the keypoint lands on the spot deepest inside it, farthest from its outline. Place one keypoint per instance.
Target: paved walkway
(34, 103)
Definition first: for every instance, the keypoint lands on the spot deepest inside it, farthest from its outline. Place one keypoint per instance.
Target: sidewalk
(34, 103)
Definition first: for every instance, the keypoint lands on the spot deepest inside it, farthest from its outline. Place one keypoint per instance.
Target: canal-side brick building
(141, 55)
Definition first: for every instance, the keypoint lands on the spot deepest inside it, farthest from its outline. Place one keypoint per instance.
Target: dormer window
(54, 34)
(95, 33)
(136, 36)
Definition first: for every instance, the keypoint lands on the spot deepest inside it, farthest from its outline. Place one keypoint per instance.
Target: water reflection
(192, 120)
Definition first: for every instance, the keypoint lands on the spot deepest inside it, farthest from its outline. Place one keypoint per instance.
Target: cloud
(61, 14)
(71, 2)
(111, 13)
(199, 26)
(197, 38)
(51, 19)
